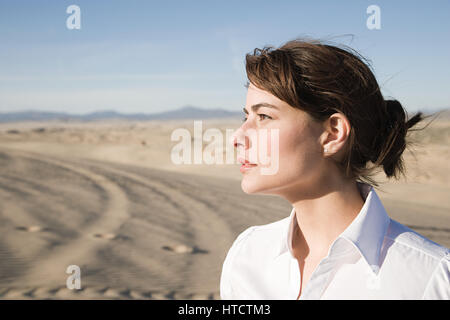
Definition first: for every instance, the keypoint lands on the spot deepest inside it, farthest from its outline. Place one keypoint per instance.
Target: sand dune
(106, 197)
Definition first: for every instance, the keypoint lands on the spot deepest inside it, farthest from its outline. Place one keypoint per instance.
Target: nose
(240, 139)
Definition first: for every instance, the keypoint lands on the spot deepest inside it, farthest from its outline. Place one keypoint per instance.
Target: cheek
(275, 145)
(264, 146)
(271, 145)
(297, 150)
(271, 142)
(290, 149)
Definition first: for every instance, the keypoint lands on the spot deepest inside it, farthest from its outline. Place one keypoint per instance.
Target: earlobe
(337, 129)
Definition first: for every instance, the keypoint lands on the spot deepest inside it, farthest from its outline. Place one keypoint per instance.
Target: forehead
(255, 90)
(256, 95)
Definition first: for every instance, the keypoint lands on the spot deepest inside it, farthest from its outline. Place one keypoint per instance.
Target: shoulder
(259, 236)
(262, 236)
(408, 240)
(424, 260)
(252, 246)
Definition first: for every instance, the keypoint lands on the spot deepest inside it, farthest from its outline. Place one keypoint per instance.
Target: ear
(336, 132)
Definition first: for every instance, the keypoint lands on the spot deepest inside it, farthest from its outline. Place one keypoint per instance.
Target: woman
(333, 130)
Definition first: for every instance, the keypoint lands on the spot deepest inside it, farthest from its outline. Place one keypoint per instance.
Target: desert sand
(105, 196)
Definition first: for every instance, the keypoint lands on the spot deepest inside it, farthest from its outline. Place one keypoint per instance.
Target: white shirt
(375, 257)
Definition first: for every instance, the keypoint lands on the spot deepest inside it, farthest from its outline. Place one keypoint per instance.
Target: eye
(263, 115)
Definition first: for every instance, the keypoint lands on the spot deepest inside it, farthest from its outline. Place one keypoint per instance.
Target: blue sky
(153, 56)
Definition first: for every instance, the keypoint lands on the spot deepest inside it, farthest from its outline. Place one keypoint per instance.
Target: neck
(322, 219)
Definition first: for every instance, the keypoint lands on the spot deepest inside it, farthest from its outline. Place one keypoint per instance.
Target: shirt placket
(339, 252)
(318, 281)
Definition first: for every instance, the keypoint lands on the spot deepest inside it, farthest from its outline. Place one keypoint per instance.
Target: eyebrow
(255, 107)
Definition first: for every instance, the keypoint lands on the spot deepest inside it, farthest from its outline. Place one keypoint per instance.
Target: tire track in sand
(73, 252)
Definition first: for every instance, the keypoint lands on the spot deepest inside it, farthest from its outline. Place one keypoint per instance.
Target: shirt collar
(366, 232)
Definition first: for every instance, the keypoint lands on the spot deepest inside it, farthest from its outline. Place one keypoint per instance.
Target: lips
(246, 165)
(246, 162)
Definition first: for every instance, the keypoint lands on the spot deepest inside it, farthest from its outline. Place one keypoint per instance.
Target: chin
(252, 185)
(248, 188)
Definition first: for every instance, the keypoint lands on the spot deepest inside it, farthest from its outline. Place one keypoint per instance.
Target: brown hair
(322, 79)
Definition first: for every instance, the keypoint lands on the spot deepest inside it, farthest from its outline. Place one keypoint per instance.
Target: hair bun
(396, 114)
(394, 144)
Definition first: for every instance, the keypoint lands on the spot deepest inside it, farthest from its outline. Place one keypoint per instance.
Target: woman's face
(282, 141)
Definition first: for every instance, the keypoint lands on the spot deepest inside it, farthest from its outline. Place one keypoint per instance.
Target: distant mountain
(187, 112)
(33, 116)
(190, 112)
